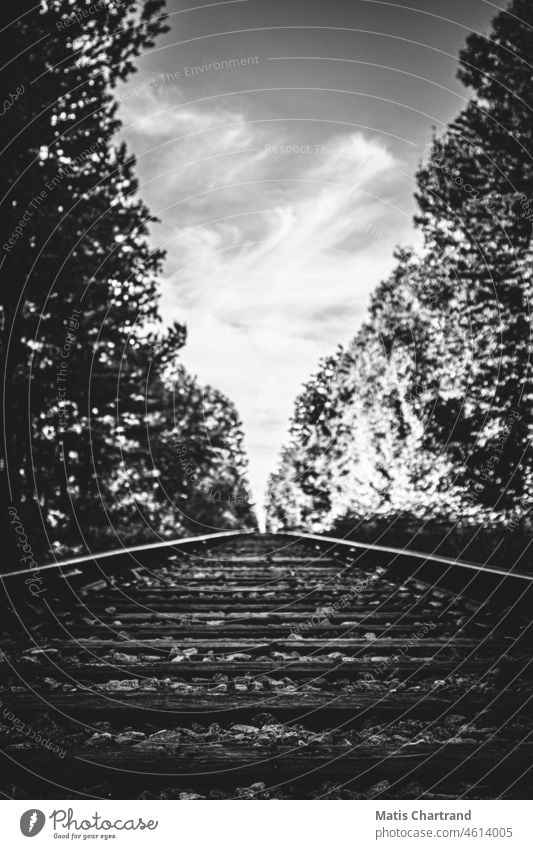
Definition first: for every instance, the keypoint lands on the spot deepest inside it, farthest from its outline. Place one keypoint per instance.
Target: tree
(367, 435)
(437, 391)
(476, 219)
(79, 300)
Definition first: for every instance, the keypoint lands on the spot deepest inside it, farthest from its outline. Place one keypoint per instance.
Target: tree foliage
(92, 389)
(438, 418)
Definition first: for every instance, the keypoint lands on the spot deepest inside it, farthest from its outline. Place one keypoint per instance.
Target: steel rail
(421, 555)
(118, 552)
(400, 552)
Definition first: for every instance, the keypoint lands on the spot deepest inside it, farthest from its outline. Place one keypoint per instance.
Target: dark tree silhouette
(436, 389)
(85, 373)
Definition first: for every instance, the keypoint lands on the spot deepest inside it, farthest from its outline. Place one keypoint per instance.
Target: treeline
(427, 413)
(107, 439)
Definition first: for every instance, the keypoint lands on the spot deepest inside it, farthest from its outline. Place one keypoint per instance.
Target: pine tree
(438, 392)
(74, 245)
(476, 218)
(83, 366)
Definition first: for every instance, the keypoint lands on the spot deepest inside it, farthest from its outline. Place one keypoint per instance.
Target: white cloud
(270, 259)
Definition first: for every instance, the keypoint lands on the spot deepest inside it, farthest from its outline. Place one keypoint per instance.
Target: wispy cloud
(270, 260)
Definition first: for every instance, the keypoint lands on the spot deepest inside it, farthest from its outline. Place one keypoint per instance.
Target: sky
(277, 143)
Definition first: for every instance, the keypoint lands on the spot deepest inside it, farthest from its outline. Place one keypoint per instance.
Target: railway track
(266, 666)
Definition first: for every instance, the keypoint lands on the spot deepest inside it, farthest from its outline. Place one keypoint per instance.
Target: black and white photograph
(266, 270)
